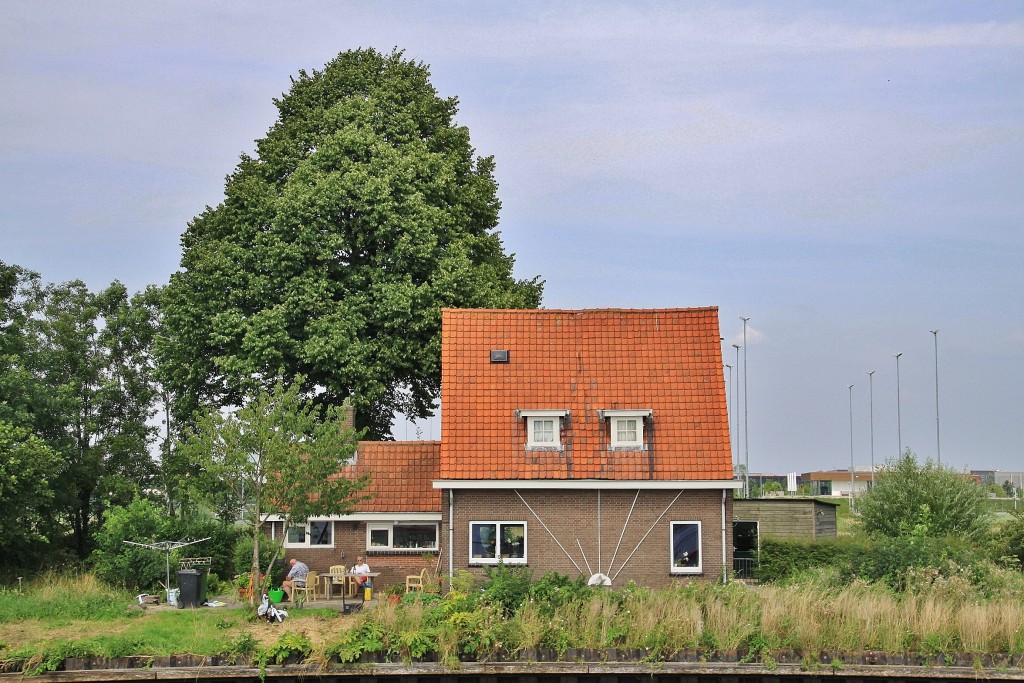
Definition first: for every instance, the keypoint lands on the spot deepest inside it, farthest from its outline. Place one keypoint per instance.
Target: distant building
(837, 483)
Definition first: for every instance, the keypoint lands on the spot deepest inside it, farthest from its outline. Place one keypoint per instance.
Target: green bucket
(276, 595)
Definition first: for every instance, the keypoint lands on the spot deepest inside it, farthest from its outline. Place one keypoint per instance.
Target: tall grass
(64, 597)
(813, 614)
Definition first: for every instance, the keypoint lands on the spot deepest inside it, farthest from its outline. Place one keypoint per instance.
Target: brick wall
(349, 543)
(572, 515)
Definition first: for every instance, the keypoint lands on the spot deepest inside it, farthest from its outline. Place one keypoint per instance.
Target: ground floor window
(686, 548)
(315, 533)
(494, 542)
(401, 536)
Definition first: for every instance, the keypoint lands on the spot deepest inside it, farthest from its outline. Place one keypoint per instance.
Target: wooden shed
(797, 518)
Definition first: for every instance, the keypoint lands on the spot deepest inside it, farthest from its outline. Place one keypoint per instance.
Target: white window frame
(641, 417)
(498, 528)
(390, 528)
(307, 537)
(699, 567)
(556, 416)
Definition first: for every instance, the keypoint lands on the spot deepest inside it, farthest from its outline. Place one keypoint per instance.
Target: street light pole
(736, 412)
(899, 426)
(849, 387)
(871, 404)
(727, 396)
(746, 427)
(938, 449)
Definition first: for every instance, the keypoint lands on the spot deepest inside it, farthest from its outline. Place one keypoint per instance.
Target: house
(397, 528)
(592, 443)
(587, 442)
(838, 483)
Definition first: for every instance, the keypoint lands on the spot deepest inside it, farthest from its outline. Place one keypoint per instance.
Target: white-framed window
(544, 428)
(316, 533)
(626, 427)
(417, 536)
(494, 542)
(685, 548)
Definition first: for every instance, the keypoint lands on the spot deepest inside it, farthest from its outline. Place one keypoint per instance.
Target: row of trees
(319, 279)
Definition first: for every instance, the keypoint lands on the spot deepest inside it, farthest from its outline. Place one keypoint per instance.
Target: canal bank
(526, 672)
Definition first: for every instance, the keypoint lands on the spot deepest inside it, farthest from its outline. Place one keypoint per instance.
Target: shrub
(1007, 544)
(507, 587)
(927, 499)
(123, 564)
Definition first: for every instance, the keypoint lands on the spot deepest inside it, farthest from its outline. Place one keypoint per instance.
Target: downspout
(725, 575)
(451, 533)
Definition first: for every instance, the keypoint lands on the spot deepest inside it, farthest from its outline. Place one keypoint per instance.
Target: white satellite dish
(599, 580)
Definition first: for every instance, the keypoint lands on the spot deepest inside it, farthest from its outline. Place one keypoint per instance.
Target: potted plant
(394, 593)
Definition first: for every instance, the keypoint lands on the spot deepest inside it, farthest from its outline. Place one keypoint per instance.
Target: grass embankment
(79, 617)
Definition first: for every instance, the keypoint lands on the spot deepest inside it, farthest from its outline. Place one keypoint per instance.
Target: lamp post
(938, 450)
(849, 388)
(728, 402)
(746, 428)
(736, 412)
(871, 409)
(899, 426)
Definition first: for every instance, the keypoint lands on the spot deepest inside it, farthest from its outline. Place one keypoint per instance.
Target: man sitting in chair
(360, 567)
(296, 577)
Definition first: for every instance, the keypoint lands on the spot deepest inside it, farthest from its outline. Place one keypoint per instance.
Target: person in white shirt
(360, 567)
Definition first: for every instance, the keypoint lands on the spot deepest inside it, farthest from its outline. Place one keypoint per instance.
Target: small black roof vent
(499, 355)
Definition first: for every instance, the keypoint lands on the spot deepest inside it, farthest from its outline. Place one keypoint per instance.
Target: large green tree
(362, 214)
(76, 374)
(274, 456)
(911, 498)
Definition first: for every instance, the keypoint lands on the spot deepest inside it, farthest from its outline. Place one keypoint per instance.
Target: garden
(924, 577)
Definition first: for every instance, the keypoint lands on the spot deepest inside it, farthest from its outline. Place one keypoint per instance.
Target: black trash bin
(192, 584)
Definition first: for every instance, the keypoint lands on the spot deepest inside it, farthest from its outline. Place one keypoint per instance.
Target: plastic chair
(309, 590)
(415, 582)
(338, 578)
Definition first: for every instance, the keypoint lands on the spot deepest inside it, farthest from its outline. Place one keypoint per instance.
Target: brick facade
(572, 515)
(350, 543)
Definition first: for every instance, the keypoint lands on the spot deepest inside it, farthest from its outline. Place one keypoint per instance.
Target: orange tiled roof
(401, 474)
(669, 361)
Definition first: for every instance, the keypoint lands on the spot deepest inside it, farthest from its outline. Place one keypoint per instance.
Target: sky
(848, 176)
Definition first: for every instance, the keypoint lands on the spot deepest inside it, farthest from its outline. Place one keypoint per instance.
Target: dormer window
(627, 427)
(543, 428)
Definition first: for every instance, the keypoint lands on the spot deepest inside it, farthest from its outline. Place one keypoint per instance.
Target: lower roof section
(398, 516)
(589, 484)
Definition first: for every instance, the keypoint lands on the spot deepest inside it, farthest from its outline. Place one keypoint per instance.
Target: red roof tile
(401, 475)
(668, 361)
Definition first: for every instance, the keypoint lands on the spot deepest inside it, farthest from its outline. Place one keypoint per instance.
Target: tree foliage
(274, 456)
(363, 213)
(923, 499)
(76, 373)
(27, 466)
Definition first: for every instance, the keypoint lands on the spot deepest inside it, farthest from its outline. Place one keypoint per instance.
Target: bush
(780, 559)
(553, 590)
(507, 586)
(130, 566)
(1007, 544)
(142, 521)
(928, 499)
(269, 550)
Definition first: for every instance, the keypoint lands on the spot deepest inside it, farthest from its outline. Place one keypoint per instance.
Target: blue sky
(848, 175)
